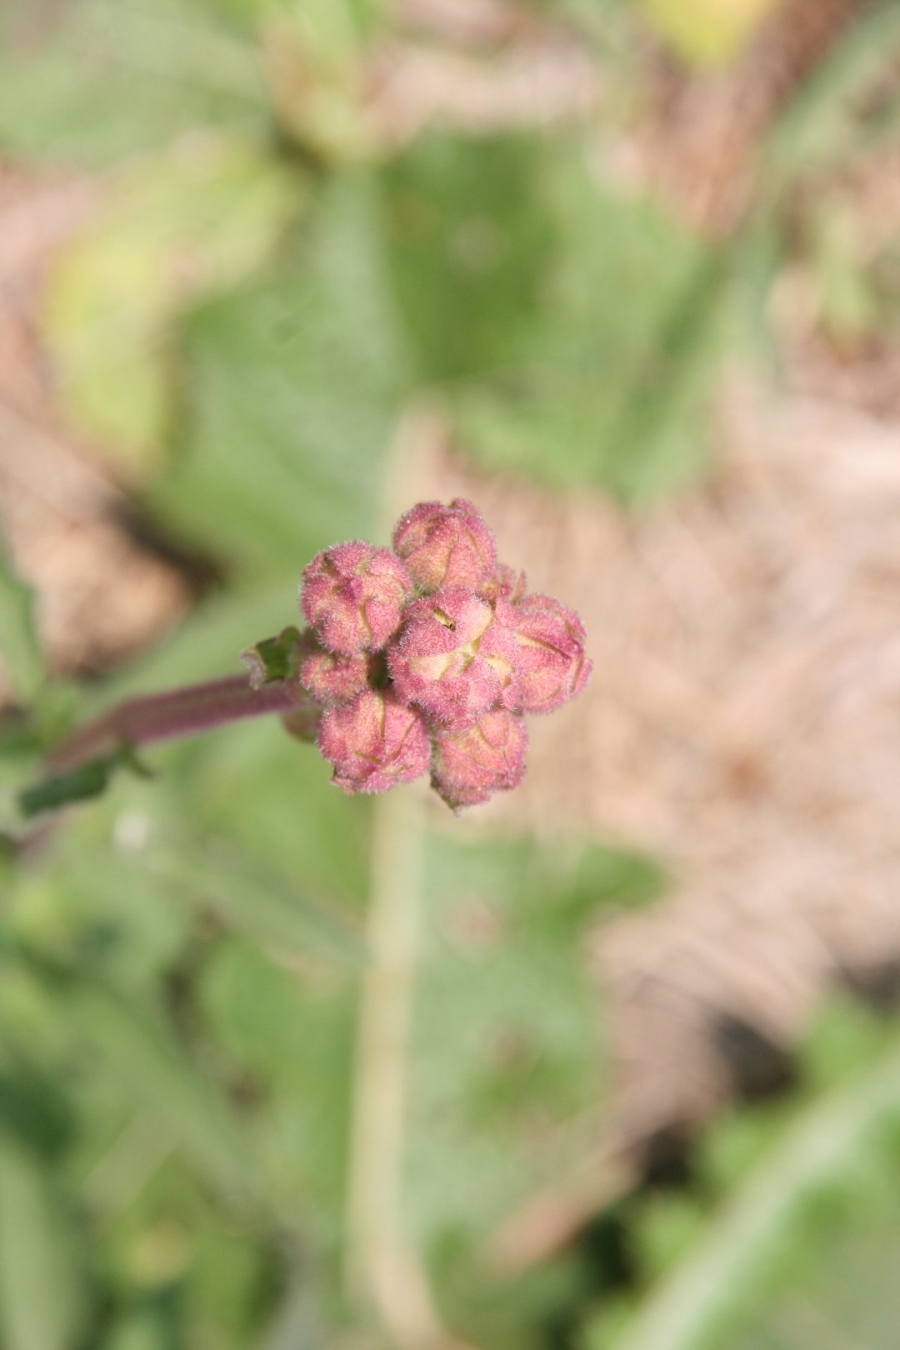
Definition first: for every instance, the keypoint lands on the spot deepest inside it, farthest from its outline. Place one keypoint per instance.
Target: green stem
(381, 1267)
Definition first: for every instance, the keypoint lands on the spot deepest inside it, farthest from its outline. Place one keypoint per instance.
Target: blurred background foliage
(281, 261)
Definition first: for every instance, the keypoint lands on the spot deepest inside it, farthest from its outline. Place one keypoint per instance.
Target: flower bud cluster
(425, 657)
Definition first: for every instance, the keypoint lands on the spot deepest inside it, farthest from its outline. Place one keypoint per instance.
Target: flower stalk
(175, 713)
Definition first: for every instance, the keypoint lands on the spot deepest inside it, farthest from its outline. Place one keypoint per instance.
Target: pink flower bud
(353, 595)
(469, 765)
(453, 658)
(303, 723)
(332, 678)
(506, 583)
(445, 545)
(374, 742)
(554, 667)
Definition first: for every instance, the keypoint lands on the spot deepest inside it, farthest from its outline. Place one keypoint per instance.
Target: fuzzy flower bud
(304, 722)
(469, 765)
(505, 583)
(427, 656)
(553, 664)
(353, 596)
(330, 677)
(374, 742)
(445, 545)
(453, 658)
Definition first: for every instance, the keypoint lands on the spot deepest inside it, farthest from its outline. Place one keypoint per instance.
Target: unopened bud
(470, 765)
(445, 545)
(332, 678)
(453, 658)
(304, 722)
(554, 667)
(505, 583)
(353, 595)
(374, 742)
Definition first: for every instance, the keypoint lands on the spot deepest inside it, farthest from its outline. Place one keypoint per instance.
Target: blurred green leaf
(40, 1297)
(819, 125)
(739, 1139)
(148, 1067)
(617, 382)
(143, 1331)
(88, 780)
(589, 878)
(258, 790)
(768, 1235)
(301, 1322)
(852, 1299)
(103, 79)
(229, 1278)
(274, 658)
(293, 1030)
(33, 1108)
(276, 458)
(264, 905)
(535, 1312)
(508, 1036)
(64, 789)
(314, 61)
(847, 1035)
(336, 27)
(191, 222)
(470, 239)
(574, 330)
(20, 651)
(669, 1224)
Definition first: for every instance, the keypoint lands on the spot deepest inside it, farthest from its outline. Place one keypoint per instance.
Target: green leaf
(277, 457)
(470, 239)
(318, 77)
(852, 1295)
(259, 902)
(615, 385)
(506, 1025)
(771, 1227)
(669, 1225)
(20, 652)
(274, 658)
(39, 1289)
(143, 1331)
(192, 222)
(293, 1030)
(817, 126)
(574, 330)
(149, 1069)
(105, 79)
(90, 780)
(33, 1108)
(81, 784)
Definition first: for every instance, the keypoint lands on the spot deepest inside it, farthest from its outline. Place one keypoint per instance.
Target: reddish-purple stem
(178, 712)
